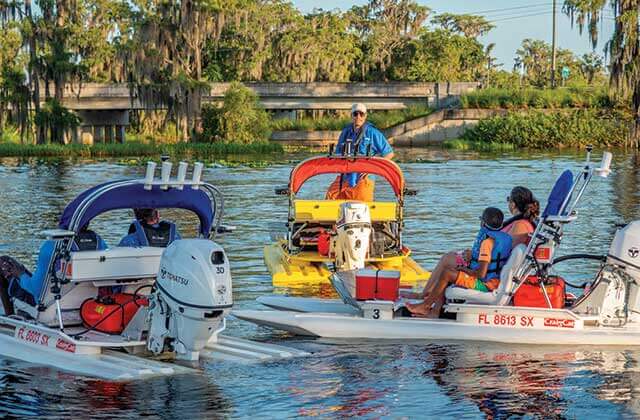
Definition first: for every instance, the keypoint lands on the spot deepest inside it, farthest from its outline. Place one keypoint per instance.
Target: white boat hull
(107, 359)
(475, 323)
(300, 304)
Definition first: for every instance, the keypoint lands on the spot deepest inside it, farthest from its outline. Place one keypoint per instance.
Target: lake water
(414, 379)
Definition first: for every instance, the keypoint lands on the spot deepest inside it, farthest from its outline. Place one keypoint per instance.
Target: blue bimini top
(130, 196)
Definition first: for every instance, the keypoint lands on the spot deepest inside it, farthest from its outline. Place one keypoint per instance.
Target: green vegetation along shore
(542, 130)
(203, 151)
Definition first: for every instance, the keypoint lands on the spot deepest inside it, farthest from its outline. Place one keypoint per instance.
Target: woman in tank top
(525, 210)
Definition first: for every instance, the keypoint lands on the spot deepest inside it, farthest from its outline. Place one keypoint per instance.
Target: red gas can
(530, 295)
(324, 238)
(111, 314)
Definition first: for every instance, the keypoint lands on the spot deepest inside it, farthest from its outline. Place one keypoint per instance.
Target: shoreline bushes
(523, 98)
(542, 130)
(241, 118)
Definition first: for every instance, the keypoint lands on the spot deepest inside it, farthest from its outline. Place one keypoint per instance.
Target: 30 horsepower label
(40, 338)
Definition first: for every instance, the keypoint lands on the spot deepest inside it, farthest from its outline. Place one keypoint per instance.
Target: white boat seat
(115, 264)
(501, 295)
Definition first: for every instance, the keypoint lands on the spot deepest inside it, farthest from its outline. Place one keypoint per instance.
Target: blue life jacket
(158, 236)
(499, 254)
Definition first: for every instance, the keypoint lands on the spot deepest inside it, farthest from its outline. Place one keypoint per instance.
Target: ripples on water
(343, 378)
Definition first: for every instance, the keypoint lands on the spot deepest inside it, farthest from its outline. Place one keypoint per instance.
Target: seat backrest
(559, 193)
(508, 270)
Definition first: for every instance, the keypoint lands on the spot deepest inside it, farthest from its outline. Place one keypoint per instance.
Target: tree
(468, 25)
(14, 93)
(61, 44)
(385, 27)
(442, 55)
(533, 59)
(240, 119)
(165, 55)
(591, 66)
(623, 47)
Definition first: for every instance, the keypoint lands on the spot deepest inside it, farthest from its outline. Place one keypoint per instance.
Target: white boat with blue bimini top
(163, 302)
(530, 306)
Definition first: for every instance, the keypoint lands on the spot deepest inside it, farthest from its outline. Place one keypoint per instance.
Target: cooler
(377, 284)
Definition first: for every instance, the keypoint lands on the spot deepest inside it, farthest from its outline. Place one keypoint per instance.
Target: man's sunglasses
(356, 113)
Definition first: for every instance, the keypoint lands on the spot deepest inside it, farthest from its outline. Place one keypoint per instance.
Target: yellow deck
(310, 267)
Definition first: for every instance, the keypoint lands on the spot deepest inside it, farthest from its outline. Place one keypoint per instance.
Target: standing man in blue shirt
(358, 138)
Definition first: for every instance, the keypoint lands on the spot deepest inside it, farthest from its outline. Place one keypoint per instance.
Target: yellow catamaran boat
(301, 257)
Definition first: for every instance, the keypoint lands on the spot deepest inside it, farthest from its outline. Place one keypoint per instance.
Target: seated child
(489, 253)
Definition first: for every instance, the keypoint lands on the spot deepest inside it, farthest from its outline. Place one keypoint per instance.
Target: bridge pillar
(110, 136)
(86, 135)
(103, 123)
(120, 133)
(98, 133)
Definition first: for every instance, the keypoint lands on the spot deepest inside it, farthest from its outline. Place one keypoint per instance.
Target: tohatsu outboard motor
(192, 296)
(353, 231)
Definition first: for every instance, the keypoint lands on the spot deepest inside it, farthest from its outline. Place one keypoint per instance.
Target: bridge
(104, 108)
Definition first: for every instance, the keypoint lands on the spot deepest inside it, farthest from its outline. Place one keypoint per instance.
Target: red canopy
(338, 165)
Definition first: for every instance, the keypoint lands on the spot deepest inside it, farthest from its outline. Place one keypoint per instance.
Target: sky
(514, 21)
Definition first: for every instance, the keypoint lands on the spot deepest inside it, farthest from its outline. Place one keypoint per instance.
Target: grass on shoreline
(478, 146)
(523, 98)
(381, 119)
(138, 149)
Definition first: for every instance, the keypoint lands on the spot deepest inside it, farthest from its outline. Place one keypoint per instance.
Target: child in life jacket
(489, 253)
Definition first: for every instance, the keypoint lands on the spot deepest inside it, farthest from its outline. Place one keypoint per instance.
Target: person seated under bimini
(489, 253)
(148, 230)
(18, 282)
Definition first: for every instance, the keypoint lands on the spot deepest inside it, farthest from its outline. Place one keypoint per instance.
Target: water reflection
(56, 394)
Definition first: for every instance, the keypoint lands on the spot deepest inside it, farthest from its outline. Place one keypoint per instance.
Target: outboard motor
(624, 255)
(615, 294)
(350, 245)
(192, 296)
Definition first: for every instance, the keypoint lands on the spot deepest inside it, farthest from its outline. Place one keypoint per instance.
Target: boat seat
(117, 263)
(502, 294)
(328, 211)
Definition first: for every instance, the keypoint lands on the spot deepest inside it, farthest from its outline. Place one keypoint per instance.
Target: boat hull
(106, 357)
(351, 326)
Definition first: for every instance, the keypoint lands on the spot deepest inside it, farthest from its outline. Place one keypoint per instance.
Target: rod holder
(197, 174)
(165, 174)
(182, 174)
(148, 178)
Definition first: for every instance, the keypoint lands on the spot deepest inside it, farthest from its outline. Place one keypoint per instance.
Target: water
(343, 378)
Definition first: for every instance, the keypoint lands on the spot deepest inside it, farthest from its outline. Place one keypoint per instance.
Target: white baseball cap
(359, 107)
